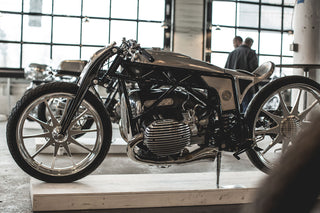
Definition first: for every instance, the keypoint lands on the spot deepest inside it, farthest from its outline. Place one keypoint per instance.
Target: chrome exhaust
(207, 153)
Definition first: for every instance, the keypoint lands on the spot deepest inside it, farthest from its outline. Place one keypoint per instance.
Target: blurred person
(237, 41)
(243, 57)
(293, 185)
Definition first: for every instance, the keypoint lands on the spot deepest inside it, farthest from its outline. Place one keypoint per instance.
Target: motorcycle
(173, 110)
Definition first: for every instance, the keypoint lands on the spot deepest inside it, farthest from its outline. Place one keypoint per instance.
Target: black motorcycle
(173, 110)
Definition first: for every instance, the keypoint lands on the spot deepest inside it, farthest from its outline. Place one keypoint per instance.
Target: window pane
(223, 13)
(272, 1)
(275, 60)
(124, 9)
(287, 40)
(7, 31)
(222, 40)
(70, 7)
(250, 0)
(11, 5)
(270, 42)
(33, 53)
(38, 29)
(60, 53)
(95, 32)
(287, 71)
(38, 6)
(271, 17)
(120, 29)
(151, 10)
(287, 18)
(249, 33)
(98, 8)
(150, 35)
(219, 59)
(66, 30)
(9, 55)
(248, 15)
(87, 52)
(289, 2)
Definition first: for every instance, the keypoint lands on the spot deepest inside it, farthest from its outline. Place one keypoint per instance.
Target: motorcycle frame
(90, 74)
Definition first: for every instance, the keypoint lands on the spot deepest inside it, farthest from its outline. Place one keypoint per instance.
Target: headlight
(37, 71)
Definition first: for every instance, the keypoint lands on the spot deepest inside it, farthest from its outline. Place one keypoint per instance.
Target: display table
(145, 191)
(305, 67)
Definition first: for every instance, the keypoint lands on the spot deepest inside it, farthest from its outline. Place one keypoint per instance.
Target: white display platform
(145, 191)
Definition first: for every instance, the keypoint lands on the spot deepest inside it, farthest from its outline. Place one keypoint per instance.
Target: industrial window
(267, 22)
(48, 31)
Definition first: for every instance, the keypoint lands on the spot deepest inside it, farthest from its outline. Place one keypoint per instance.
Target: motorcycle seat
(265, 70)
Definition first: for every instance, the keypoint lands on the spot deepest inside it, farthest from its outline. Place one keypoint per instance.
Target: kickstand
(218, 168)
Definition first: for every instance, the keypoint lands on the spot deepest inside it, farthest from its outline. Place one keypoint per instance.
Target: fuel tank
(177, 60)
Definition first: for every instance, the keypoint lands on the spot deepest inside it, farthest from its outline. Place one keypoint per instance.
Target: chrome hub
(59, 138)
(290, 126)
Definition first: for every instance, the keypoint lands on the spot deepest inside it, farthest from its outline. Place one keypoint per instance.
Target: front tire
(47, 155)
(273, 127)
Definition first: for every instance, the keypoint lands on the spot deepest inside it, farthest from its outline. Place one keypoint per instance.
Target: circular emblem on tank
(226, 95)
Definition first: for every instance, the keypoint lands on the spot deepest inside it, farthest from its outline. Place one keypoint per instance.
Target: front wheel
(41, 151)
(273, 127)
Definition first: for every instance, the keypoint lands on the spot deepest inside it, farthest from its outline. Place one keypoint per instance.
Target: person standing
(237, 41)
(243, 57)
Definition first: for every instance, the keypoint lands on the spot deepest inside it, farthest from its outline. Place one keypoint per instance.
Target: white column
(188, 28)
(306, 27)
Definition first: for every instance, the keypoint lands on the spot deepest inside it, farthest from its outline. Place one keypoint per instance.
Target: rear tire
(57, 158)
(273, 130)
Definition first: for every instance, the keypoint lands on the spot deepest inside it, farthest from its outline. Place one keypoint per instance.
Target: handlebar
(131, 47)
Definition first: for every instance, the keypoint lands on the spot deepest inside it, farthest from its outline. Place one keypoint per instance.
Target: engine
(167, 137)
(174, 124)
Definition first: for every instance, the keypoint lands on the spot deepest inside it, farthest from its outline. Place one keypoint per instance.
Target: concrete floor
(15, 191)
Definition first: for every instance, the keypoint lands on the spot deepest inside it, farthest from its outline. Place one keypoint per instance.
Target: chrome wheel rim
(51, 153)
(277, 125)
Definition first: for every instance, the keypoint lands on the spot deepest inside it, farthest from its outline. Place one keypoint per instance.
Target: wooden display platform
(145, 191)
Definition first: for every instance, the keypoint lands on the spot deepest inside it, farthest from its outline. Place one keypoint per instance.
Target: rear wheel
(41, 151)
(273, 127)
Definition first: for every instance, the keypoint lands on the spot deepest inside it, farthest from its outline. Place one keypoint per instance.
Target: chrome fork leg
(218, 168)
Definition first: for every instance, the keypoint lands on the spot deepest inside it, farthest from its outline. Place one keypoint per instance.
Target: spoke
(43, 147)
(46, 134)
(272, 130)
(283, 106)
(53, 162)
(303, 114)
(294, 110)
(78, 117)
(53, 118)
(65, 109)
(56, 149)
(276, 118)
(66, 147)
(78, 132)
(276, 140)
(42, 124)
(79, 144)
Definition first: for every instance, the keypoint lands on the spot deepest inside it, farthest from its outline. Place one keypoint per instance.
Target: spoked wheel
(273, 127)
(41, 151)
(57, 106)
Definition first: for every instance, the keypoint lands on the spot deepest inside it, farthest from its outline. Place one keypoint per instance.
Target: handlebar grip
(147, 55)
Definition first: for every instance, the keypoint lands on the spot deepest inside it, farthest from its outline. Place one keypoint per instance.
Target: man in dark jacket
(243, 57)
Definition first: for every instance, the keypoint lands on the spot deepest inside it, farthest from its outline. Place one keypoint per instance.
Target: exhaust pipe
(207, 153)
